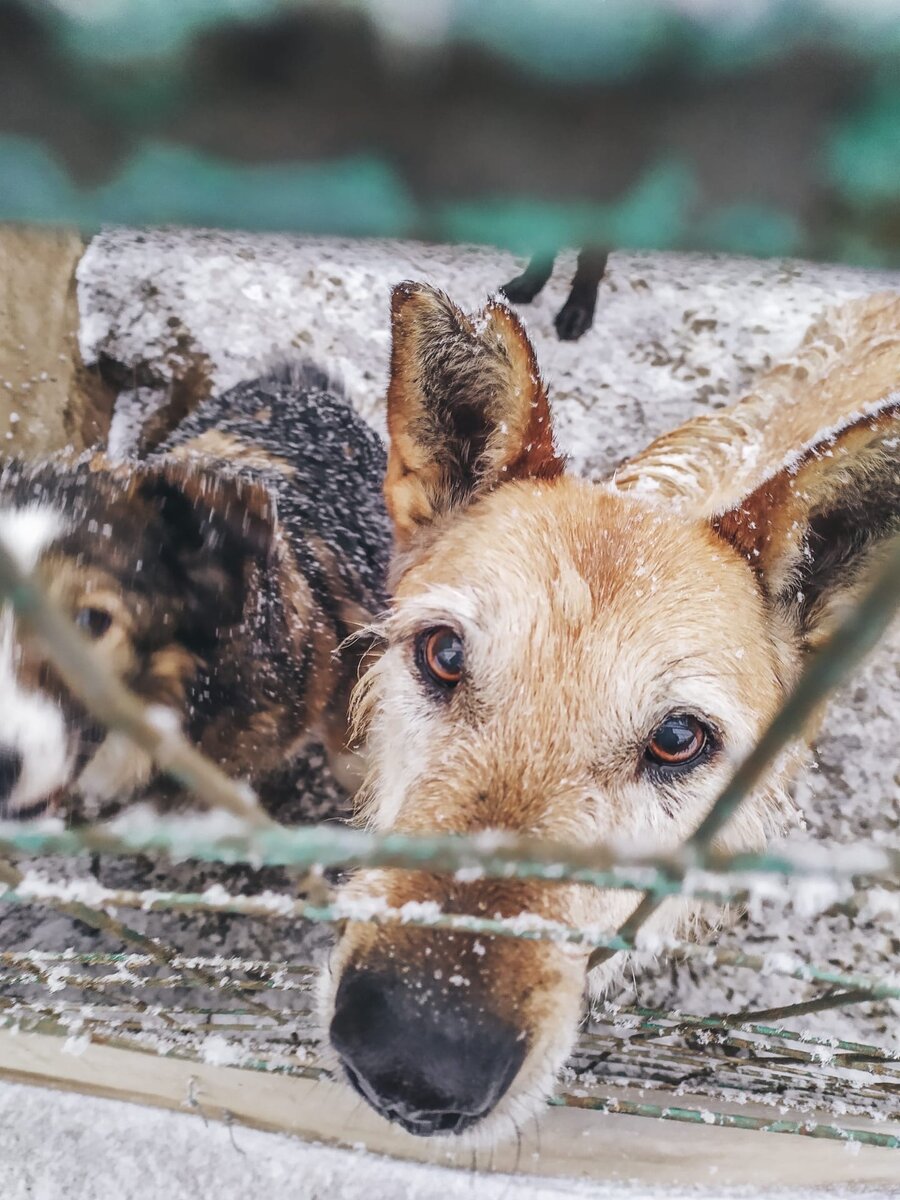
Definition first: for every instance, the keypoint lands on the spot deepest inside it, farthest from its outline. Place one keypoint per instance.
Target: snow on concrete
(675, 335)
(55, 1145)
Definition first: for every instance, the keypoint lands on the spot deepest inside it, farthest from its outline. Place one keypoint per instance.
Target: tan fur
(214, 444)
(589, 613)
(170, 671)
(849, 358)
(72, 587)
(437, 347)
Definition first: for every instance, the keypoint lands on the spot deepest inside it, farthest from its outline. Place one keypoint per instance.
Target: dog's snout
(10, 770)
(429, 1066)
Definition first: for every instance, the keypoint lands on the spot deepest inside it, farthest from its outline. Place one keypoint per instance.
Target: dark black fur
(576, 316)
(339, 462)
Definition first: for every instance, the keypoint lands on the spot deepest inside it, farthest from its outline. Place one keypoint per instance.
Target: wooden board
(568, 1144)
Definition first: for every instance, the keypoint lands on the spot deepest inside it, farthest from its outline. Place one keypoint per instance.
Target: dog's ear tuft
(215, 527)
(813, 529)
(467, 408)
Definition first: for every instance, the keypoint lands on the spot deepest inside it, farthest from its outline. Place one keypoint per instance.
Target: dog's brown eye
(93, 621)
(678, 741)
(441, 656)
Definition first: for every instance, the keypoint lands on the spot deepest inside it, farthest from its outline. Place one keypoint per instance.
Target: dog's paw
(521, 290)
(575, 318)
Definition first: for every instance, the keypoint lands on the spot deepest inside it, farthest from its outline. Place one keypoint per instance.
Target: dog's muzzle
(430, 1068)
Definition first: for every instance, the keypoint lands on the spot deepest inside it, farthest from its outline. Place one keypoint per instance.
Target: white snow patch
(87, 1148)
(32, 726)
(28, 531)
(76, 1044)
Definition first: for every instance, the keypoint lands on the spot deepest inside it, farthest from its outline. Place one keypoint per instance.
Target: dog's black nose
(430, 1066)
(10, 770)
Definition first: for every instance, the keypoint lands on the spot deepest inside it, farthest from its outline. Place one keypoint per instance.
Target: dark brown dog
(217, 578)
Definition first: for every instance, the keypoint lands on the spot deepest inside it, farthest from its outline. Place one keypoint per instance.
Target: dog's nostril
(10, 770)
(429, 1067)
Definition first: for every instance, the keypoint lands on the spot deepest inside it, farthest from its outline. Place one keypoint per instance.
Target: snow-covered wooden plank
(567, 1144)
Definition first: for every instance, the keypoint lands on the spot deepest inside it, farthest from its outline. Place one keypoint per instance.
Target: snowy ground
(674, 337)
(55, 1145)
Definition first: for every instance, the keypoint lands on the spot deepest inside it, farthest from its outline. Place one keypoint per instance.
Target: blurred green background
(751, 126)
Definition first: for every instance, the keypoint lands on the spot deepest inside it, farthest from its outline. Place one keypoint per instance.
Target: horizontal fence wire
(696, 1116)
(493, 854)
(527, 927)
(243, 833)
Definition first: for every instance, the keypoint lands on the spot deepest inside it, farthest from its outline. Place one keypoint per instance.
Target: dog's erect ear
(215, 528)
(467, 408)
(813, 529)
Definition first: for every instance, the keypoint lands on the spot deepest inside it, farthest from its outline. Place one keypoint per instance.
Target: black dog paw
(521, 290)
(524, 288)
(575, 318)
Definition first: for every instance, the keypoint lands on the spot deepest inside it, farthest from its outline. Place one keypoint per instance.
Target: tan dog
(580, 661)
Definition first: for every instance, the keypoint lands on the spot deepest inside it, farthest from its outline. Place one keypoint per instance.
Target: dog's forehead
(608, 602)
(76, 492)
(80, 514)
(571, 552)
